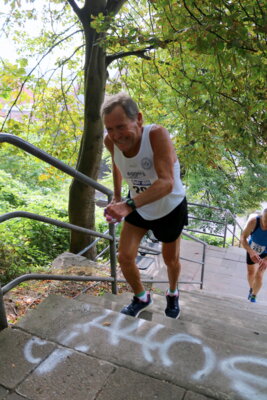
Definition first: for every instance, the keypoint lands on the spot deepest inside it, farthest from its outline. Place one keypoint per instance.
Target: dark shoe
(137, 306)
(253, 298)
(249, 293)
(172, 310)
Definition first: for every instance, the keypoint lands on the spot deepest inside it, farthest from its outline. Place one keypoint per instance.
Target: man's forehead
(116, 111)
(116, 116)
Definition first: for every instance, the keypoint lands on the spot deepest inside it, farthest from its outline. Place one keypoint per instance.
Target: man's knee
(251, 270)
(171, 261)
(259, 274)
(125, 258)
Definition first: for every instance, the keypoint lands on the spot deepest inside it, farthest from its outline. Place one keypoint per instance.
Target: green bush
(210, 239)
(27, 245)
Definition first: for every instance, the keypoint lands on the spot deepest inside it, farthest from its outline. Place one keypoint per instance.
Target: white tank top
(140, 173)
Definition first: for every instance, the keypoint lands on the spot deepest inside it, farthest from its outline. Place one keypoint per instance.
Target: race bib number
(140, 186)
(139, 189)
(257, 247)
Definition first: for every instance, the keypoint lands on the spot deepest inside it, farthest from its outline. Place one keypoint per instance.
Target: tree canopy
(207, 83)
(197, 67)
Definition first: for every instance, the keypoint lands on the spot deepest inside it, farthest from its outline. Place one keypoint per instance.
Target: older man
(254, 240)
(145, 157)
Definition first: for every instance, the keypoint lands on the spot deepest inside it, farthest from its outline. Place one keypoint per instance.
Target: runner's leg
(130, 239)
(171, 257)
(251, 273)
(258, 281)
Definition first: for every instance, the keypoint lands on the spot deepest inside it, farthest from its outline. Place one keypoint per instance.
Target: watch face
(130, 203)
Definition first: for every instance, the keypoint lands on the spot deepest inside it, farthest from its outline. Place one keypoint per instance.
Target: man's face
(264, 219)
(124, 132)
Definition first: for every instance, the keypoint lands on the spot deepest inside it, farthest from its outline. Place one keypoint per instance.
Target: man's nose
(116, 134)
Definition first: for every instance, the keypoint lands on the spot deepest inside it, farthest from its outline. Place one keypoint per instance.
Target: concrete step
(206, 307)
(195, 320)
(234, 302)
(63, 338)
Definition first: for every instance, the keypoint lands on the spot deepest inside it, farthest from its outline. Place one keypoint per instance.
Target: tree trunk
(82, 197)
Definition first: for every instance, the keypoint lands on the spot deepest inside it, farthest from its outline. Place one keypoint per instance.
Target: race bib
(140, 186)
(257, 247)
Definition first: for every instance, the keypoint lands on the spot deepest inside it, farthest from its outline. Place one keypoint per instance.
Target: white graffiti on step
(28, 351)
(118, 327)
(148, 343)
(55, 358)
(251, 386)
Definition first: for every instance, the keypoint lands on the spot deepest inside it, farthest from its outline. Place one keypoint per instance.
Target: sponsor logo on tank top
(146, 163)
(135, 174)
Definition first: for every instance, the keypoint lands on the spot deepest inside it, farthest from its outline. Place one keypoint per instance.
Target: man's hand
(117, 211)
(254, 256)
(263, 264)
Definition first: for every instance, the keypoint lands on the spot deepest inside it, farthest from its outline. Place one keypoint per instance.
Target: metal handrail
(27, 277)
(225, 223)
(203, 256)
(51, 221)
(31, 149)
(79, 278)
(42, 155)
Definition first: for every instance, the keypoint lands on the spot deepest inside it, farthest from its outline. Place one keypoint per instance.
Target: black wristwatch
(130, 203)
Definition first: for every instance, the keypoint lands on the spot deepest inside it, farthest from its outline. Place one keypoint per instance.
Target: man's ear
(140, 119)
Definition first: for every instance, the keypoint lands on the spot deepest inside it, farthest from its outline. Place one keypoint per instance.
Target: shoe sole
(178, 316)
(143, 309)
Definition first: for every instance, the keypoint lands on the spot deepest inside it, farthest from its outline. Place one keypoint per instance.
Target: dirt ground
(28, 295)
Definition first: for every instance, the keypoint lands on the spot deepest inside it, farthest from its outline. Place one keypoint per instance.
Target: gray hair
(120, 99)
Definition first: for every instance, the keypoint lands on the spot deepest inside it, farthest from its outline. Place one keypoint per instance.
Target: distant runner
(256, 246)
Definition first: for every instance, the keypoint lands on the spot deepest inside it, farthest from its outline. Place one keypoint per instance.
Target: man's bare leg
(251, 273)
(258, 281)
(171, 257)
(130, 239)
(171, 253)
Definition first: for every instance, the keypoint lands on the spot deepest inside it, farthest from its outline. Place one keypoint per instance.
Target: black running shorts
(166, 229)
(250, 262)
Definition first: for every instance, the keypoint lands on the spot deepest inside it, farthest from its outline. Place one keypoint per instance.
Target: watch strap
(130, 203)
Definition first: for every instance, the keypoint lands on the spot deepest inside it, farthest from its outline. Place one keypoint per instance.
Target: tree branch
(138, 53)
(70, 57)
(230, 98)
(29, 74)
(191, 14)
(247, 14)
(215, 33)
(114, 6)
(75, 7)
(201, 12)
(261, 10)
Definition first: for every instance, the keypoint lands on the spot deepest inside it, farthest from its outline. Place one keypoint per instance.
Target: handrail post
(225, 229)
(203, 266)
(3, 318)
(234, 229)
(113, 254)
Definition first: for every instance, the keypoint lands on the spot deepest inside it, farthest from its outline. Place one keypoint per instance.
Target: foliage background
(198, 68)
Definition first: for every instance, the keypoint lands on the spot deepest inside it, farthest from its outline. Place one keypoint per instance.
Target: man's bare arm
(164, 159)
(117, 178)
(249, 228)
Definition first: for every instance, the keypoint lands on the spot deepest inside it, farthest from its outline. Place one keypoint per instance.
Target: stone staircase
(83, 349)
